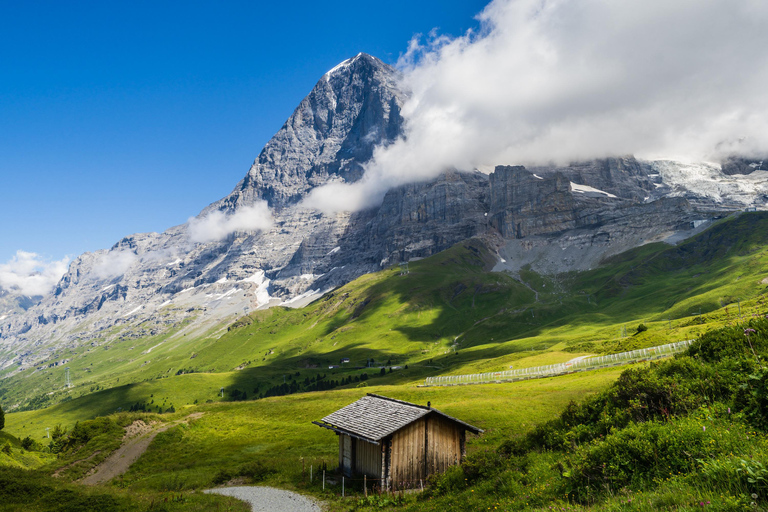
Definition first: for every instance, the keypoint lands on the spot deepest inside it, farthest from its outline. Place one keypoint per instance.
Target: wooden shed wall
(345, 454)
(443, 444)
(407, 455)
(367, 458)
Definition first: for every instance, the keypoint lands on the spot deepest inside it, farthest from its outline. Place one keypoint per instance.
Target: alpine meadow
(519, 263)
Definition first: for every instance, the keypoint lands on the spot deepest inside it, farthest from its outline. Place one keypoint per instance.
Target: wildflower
(754, 496)
(749, 331)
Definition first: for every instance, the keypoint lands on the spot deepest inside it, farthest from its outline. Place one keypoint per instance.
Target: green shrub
(451, 481)
(29, 444)
(482, 465)
(644, 454)
(83, 432)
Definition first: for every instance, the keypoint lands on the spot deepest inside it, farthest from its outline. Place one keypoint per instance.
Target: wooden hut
(395, 442)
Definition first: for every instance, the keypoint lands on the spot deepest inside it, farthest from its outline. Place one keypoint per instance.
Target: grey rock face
(351, 110)
(524, 203)
(738, 165)
(624, 177)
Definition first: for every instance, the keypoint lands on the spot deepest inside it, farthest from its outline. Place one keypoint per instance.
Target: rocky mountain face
(552, 218)
(351, 110)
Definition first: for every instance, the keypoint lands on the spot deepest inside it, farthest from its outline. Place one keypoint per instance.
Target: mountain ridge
(153, 283)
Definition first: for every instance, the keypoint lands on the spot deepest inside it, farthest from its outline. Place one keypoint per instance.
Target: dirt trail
(136, 441)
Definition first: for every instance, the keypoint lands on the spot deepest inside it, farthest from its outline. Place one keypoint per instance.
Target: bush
(482, 465)
(644, 453)
(641, 328)
(29, 444)
(451, 481)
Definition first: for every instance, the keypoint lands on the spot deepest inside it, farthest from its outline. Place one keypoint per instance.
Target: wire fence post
(365, 485)
(310, 474)
(323, 479)
(342, 486)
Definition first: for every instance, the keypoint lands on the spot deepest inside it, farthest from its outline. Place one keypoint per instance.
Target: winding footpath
(135, 443)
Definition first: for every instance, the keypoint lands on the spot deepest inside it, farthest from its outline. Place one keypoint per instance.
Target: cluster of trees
(292, 385)
(144, 406)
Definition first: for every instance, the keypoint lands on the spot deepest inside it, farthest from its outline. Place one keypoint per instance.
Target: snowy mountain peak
(351, 109)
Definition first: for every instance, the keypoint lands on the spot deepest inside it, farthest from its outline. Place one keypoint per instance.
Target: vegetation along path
(137, 439)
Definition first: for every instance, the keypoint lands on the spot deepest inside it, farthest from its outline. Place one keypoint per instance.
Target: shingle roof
(374, 417)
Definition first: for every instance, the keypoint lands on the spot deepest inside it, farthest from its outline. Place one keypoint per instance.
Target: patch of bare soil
(137, 439)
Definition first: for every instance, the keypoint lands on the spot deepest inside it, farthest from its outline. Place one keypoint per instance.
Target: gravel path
(136, 441)
(269, 499)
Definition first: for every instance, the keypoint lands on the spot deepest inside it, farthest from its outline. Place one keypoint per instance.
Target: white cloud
(563, 80)
(114, 263)
(30, 274)
(217, 225)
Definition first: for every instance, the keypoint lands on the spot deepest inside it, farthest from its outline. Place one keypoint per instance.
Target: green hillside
(448, 315)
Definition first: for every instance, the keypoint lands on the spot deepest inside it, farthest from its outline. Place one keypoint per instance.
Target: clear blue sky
(124, 117)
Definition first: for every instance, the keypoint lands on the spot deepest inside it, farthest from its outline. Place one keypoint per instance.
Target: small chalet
(397, 443)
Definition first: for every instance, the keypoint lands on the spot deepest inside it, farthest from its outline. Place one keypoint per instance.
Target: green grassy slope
(448, 315)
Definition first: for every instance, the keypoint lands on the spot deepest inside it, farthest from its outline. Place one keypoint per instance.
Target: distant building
(751, 209)
(333, 366)
(397, 443)
(344, 360)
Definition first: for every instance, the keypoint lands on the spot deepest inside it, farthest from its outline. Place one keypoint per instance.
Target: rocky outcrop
(524, 204)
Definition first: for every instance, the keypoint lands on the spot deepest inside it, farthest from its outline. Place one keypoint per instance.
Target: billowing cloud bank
(30, 274)
(563, 80)
(217, 225)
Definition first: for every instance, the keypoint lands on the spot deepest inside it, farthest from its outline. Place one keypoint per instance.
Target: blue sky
(123, 117)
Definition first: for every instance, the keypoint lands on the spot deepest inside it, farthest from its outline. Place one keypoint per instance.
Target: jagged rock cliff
(351, 110)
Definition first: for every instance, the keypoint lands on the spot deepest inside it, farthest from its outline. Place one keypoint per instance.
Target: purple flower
(749, 331)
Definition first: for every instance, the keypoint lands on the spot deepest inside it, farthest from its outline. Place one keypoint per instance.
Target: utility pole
(67, 380)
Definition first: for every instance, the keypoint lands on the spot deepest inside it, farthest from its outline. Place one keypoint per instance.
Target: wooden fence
(581, 365)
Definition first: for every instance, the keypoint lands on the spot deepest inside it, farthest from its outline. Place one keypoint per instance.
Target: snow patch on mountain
(587, 190)
(708, 181)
